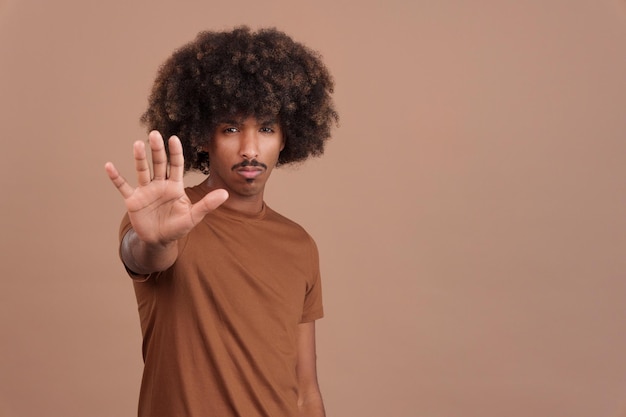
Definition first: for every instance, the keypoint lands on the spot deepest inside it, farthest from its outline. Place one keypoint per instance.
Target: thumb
(209, 202)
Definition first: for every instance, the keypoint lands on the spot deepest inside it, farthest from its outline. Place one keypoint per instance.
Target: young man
(228, 290)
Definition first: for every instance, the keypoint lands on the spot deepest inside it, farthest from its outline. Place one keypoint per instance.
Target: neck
(245, 205)
(249, 204)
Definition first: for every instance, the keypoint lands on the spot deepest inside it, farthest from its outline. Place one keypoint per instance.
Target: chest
(250, 273)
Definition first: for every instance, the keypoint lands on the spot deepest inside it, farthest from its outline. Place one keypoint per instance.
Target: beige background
(469, 210)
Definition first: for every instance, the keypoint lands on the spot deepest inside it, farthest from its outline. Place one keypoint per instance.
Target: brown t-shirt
(220, 326)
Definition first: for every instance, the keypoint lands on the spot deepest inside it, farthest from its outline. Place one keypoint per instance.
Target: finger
(120, 183)
(177, 160)
(159, 157)
(141, 163)
(209, 202)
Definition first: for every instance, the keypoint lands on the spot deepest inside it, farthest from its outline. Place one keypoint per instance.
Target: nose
(249, 146)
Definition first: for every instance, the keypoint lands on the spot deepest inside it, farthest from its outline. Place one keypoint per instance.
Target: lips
(249, 172)
(249, 169)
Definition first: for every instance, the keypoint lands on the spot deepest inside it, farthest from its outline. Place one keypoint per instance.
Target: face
(242, 154)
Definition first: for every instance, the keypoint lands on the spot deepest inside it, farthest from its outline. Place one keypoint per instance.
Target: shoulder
(274, 216)
(195, 193)
(282, 225)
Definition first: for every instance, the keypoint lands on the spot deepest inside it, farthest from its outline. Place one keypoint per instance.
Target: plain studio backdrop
(469, 210)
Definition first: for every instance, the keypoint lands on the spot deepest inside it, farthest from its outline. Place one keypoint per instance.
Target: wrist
(143, 257)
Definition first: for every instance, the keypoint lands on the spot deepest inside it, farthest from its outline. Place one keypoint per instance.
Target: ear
(283, 142)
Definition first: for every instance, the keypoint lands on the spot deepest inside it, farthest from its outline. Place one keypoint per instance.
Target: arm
(159, 210)
(310, 401)
(144, 258)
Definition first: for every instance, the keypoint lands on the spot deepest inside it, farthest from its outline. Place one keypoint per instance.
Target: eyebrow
(238, 122)
(269, 121)
(230, 122)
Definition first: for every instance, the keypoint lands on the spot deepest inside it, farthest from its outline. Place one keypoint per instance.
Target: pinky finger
(118, 181)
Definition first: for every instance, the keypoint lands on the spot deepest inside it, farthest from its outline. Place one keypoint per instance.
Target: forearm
(143, 258)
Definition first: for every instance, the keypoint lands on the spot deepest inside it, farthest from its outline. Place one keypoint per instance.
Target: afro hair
(243, 73)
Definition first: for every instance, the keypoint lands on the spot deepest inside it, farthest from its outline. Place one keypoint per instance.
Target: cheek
(276, 153)
(220, 153)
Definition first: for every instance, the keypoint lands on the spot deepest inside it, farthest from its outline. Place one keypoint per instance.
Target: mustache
(249, 163)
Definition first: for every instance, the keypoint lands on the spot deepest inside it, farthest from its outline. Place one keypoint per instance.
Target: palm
(159, 210)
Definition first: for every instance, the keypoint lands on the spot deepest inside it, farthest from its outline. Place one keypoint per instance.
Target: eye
(266, 129)
(230, 129)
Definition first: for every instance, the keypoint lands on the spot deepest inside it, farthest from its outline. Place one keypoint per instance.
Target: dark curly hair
(243, 73)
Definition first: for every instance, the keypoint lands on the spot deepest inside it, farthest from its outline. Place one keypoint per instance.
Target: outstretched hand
(159, 210)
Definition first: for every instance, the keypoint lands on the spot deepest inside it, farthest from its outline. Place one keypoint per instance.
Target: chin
(250, 189)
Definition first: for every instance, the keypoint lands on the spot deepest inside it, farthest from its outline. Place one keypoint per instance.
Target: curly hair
(243, 73)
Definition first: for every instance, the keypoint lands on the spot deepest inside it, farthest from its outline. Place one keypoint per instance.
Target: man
(228, 290)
